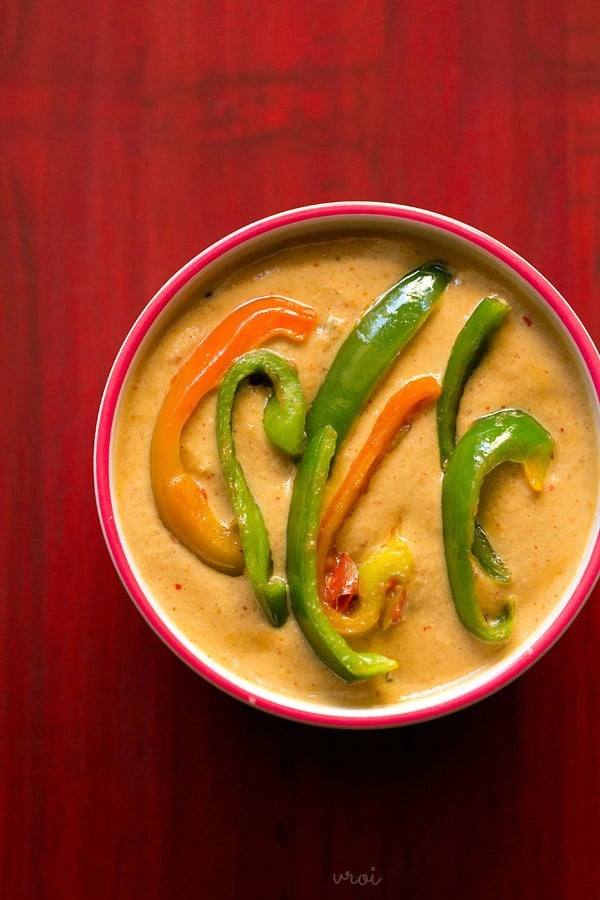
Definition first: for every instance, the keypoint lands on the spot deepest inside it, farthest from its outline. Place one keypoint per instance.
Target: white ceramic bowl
(256, 238)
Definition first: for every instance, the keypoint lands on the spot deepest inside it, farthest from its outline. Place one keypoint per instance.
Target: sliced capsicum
(379, 586)
(397, 413)
(372, 346)
(507, 435)
(180, 498)
(382, 580)
(283, 420)
(468, 349)
(303, 527)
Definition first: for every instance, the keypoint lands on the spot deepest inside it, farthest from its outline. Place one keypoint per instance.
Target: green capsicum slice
(303, 528)
(283, 420)
(372, 346)
(469, 347)
(507, 435)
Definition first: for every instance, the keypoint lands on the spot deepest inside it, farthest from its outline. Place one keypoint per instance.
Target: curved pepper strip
(303, 526)
(283, 420)
(180, 497)
(382, 578)
(396, 413)
(379, 585)
(372, 346)
(467, 352)
(509, 435)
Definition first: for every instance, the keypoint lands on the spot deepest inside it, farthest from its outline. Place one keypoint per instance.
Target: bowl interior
(258, 240)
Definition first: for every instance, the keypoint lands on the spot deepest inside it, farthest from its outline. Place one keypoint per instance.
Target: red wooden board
(133, 135)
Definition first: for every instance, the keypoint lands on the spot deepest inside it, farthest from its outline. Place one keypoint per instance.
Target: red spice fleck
(426, 627)
(177, 587)
(528, 321)
(550, 487)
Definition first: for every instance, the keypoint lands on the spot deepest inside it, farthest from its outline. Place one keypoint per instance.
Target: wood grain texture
(134, 134)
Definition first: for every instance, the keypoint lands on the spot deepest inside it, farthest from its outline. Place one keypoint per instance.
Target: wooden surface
(133, 135)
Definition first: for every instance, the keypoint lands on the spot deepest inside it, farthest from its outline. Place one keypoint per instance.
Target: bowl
(258, 240)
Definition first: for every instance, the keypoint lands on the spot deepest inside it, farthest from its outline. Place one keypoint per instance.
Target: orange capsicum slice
(397, 412)
(180, 497)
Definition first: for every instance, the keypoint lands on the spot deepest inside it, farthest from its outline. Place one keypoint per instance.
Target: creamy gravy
(541, 536)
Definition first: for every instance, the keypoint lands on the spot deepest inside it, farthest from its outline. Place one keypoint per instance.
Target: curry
(357, 598)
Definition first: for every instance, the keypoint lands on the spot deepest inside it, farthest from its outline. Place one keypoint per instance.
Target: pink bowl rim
(284, 707)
